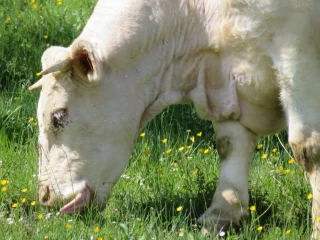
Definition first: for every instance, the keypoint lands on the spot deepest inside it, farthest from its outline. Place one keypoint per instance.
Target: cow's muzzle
(78, 204)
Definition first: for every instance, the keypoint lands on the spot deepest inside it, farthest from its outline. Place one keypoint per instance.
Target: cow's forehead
(52, 55)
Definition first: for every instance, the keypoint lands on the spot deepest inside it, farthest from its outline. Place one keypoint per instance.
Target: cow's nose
(44, 196)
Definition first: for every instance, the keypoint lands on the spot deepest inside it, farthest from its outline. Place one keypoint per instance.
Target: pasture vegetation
(173, 171)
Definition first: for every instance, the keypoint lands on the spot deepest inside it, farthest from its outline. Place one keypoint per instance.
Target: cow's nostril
(44, 196)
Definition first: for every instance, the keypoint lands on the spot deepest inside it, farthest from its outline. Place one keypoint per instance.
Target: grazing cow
(252, 67)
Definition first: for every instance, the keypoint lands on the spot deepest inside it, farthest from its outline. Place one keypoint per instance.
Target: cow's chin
(80, 203)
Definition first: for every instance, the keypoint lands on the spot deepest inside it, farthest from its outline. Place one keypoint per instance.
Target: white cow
(252, 67)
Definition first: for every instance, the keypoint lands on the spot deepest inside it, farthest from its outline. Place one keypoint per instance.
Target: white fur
(238, 61)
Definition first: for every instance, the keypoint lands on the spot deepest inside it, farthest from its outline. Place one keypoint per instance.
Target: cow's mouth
(80, 202)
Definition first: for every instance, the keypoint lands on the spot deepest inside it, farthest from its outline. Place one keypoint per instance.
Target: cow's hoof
(214, 225)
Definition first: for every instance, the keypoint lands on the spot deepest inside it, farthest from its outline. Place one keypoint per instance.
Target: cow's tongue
(79, 203)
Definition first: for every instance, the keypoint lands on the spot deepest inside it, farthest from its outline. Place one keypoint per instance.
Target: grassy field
(172, 173)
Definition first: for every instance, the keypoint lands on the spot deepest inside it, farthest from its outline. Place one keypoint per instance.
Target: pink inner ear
(79, 203)
(84, 62)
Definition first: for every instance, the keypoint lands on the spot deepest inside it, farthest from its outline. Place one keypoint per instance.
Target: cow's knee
(307, 154)
(306, 151)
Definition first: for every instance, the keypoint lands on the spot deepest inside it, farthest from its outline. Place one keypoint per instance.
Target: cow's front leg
(298, 63)
(305, 144)
(235, 145)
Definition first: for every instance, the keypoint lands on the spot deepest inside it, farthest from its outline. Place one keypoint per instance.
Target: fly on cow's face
(59, 117)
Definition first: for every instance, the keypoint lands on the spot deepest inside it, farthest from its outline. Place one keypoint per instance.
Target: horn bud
(59, 66)
(36, 85)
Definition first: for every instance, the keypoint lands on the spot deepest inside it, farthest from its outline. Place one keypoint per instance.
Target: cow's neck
(190, 69)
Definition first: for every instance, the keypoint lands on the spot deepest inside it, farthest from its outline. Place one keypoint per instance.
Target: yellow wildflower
(8, 18)
(309, 196)
(40, 216)
(287, 171)
(274, 150)
(169, 150)
(207, 151)
(46, 237)
(318, 219)
(38, 74)
(35, 6)
(33, 1)
(146, 152)
(100, 238)
(96, 229)
(192, 139)
(15, 205)
(181, 149)
(199, 134)
(259, 228)
(291, 160)
(23, 200)
(264, 156)
(252, 208)
(280, 168)
(188, 147)
(175, 164)
(179, 209)
(16, 98)
(288, 231)
(143, 134)
(31, 119)
(165, 140)
(24, 190)
(33, 203)
(45, 36)
(4, 182)
(3, 189)
(196, 171)
(260, 146)
(68, 226)
(59, 2)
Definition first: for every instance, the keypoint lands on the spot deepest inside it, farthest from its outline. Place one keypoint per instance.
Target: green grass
(145, 200)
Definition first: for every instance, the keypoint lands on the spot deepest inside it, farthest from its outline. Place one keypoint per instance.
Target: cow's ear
(86, 63)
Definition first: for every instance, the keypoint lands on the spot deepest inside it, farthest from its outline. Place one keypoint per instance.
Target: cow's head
(98, 93)
(89, 116)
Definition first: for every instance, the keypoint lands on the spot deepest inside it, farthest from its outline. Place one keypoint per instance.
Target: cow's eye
(59, 117)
